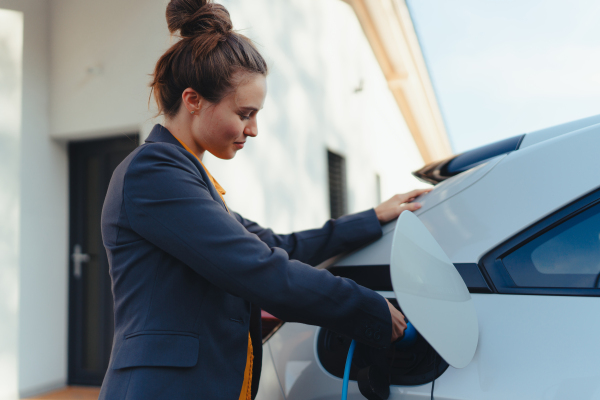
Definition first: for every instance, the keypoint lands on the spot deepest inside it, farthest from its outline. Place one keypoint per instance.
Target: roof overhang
(388, 27)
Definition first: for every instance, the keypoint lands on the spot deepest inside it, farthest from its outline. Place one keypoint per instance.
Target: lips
(239, 145)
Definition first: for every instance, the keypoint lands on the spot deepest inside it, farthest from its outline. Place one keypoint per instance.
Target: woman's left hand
(392, 208)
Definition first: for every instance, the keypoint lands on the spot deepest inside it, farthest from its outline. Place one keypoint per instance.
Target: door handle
(78, 258)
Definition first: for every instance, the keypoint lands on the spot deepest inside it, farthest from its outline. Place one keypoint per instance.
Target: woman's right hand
(398, 322)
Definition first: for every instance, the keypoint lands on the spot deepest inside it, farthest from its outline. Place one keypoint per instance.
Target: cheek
(224, 128)
(231, 129)
(221, 130)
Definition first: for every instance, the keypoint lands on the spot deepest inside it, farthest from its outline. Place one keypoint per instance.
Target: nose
(251, 129)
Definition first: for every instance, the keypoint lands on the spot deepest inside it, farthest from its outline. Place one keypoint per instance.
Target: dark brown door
(91, 321)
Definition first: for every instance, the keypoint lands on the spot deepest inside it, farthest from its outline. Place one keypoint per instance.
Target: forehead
(251, 91)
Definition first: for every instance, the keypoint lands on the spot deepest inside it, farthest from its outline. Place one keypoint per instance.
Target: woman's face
(222, 128)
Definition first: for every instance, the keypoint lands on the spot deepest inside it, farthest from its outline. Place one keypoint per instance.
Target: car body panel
(270, 387)
(541, 135)
(478, 209)
(378, 252)
(520, 190)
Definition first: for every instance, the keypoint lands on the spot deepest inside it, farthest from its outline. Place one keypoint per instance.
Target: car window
(567, 256)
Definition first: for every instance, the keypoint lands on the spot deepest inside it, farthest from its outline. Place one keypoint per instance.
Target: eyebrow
(249, 109)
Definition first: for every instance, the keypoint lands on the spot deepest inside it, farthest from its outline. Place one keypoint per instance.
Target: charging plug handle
(373, 384)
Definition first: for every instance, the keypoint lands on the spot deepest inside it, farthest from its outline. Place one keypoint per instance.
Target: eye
(246, 115)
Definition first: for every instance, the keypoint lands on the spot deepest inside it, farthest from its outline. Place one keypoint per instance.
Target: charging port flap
(431, 292)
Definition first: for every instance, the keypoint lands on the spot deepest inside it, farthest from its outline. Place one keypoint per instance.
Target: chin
(225, 156)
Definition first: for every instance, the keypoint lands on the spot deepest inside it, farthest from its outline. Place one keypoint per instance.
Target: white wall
(102, 55)
(42, 236)
(11, 45)
(44, 220)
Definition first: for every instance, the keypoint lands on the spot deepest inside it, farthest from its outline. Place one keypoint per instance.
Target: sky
(505, 67)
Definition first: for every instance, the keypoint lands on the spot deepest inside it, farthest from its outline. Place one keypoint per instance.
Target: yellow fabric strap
(246, 393)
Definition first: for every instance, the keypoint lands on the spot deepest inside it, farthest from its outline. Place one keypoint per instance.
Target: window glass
(568, 256)
(338, 198)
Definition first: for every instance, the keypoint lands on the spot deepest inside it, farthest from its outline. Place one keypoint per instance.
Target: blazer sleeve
(317, 245)
(167, 203)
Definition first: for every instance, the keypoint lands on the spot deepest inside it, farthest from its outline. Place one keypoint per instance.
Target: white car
(520, 221)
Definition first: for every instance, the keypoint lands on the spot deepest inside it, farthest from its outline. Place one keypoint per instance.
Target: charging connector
(374, 380)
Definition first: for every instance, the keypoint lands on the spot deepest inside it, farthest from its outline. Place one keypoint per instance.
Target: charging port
(413, 365)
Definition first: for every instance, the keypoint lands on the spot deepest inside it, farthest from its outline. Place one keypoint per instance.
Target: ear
(191, 100)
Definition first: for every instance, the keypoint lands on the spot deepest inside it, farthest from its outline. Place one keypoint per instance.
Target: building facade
(350, 112)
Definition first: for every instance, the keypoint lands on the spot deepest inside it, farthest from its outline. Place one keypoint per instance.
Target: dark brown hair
(206, 58)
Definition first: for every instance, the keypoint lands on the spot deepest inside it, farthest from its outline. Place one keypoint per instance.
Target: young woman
(189, 276)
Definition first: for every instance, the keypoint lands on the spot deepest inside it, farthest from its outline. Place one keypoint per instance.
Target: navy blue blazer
(189, 280)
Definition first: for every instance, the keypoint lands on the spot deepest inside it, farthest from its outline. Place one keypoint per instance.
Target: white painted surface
(378, 252)
(102, 55)
(548, 133)
(11, 47)
(44, 220)
(431, 292)
(269, 388)
(531, 347)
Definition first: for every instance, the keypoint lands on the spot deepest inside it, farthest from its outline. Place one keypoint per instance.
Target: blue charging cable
(347, 371)
(410, 335)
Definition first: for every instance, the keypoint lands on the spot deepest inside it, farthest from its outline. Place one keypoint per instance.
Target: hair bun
(195, 17)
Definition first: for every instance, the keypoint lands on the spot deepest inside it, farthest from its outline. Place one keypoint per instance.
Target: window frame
(496, 273)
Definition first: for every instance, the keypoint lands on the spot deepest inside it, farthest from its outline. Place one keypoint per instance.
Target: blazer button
(369, 333)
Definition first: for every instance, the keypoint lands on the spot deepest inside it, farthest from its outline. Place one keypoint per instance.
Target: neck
(183, 132)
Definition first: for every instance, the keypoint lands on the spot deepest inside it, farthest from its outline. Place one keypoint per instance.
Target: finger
(417, 192)
(410, 196)
(398, 332)
(403, 323)
(413, 198)
(410, 207)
